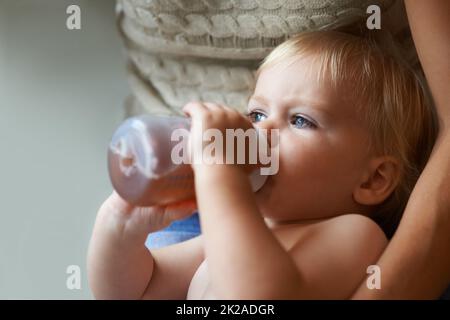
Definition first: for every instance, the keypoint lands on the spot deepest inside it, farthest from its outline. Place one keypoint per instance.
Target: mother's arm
(416, 263)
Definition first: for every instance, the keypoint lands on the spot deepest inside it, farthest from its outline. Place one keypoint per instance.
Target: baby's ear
(378, 182)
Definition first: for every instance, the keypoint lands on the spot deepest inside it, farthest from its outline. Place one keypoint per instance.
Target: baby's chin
(273, 211)
(279, 214)
(271, 206)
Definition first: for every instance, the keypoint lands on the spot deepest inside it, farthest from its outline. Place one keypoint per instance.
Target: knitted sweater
(208, 50)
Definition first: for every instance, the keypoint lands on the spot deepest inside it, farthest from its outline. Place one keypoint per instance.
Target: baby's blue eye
(256, 116)
(301, 122)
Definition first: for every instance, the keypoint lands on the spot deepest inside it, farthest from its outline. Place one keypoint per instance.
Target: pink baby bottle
(140, 162)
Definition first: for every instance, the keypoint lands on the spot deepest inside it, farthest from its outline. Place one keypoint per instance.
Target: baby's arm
(121, 267)
(245, 260)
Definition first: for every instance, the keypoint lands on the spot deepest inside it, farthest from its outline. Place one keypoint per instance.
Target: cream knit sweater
(208, 50)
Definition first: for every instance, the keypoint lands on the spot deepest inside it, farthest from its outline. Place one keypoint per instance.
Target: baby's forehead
(309, 68)
(293, 84)
(305, 75)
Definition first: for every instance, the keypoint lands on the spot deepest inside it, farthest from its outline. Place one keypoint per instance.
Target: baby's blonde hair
(396, 106)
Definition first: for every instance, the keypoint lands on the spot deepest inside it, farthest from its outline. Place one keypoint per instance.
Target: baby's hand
(133, 224)
(211, 116)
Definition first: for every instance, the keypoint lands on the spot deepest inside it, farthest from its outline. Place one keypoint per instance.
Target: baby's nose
(266, 127)
(267, 124)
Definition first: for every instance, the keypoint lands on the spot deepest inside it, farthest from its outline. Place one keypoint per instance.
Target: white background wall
(61, 96)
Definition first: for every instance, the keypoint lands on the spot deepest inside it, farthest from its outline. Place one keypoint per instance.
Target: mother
(208, 50)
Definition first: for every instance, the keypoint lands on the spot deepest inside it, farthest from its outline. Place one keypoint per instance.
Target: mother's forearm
(244, 258)
(430, 24)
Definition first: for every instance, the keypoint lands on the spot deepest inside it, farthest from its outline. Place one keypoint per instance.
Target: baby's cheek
(303, 158)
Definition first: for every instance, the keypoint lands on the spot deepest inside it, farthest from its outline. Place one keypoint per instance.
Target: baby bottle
(140, 162)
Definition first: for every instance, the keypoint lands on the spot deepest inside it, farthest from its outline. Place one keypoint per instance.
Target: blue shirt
(177, 231)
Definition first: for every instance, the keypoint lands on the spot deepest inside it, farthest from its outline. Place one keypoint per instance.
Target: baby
(355, 131)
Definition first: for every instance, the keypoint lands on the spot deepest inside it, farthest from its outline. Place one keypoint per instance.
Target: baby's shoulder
(353, 224)
(337, 252)
(351, 231)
